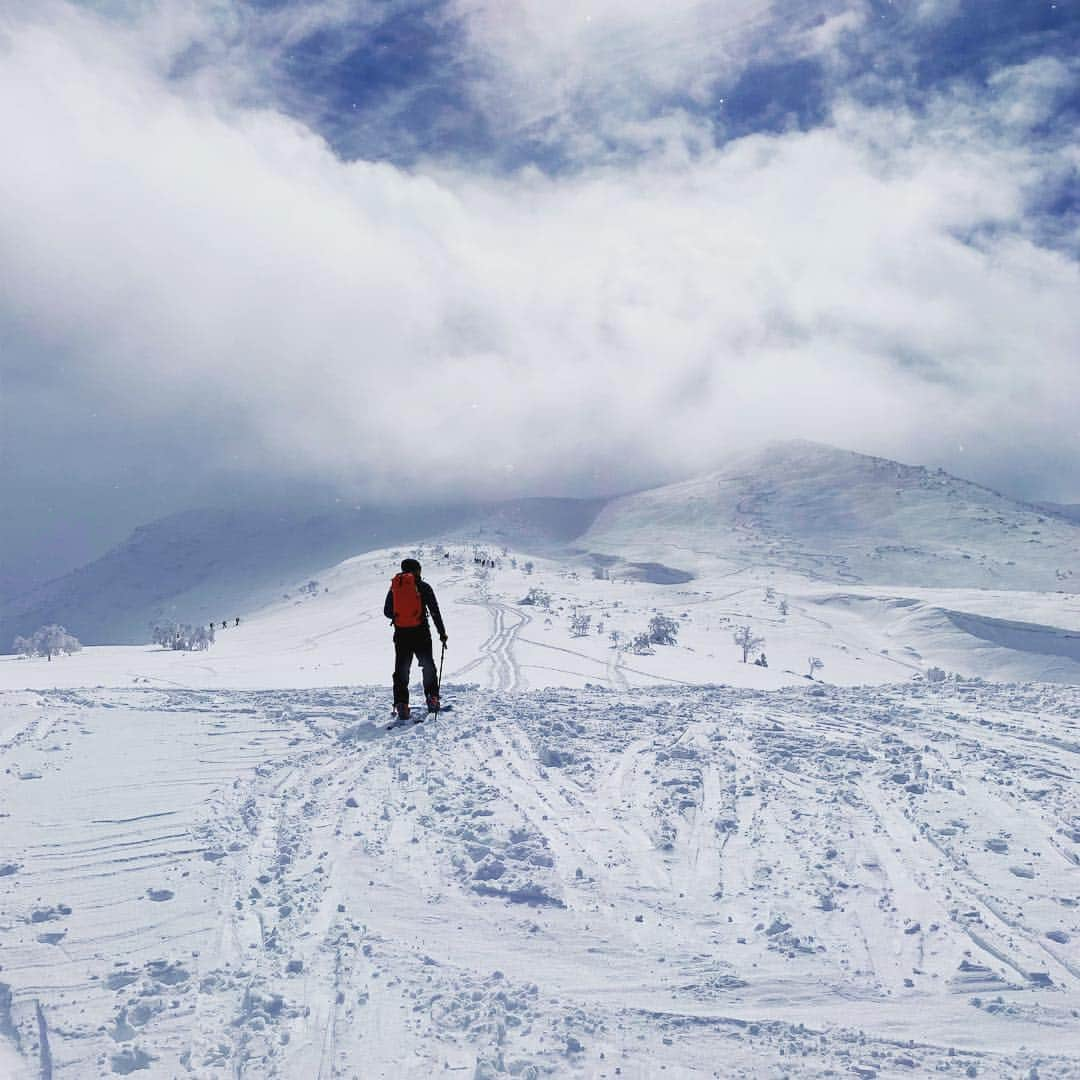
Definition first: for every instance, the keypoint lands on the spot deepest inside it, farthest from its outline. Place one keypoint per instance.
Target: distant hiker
(761, 661)
(237, 620)
(212, 628)
(407, 605)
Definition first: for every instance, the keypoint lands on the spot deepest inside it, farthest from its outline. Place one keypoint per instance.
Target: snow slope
(336, 635)
(838, 516)
(214, 564)
(695, 882)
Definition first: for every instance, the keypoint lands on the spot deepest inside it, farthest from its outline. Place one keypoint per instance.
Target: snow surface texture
(719, 882)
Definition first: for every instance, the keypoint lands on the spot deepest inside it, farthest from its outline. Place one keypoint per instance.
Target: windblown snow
(602, 861)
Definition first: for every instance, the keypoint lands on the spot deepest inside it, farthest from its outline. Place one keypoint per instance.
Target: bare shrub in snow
(642, 644)
(663, 631)
(311, 588)
(935, 675)
(783, 607)
(537, 598)
(816, 664)
(579, 624)
(747, 640)
(615, 637)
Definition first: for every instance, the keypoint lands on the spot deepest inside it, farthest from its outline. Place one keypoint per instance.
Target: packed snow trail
(712, 881)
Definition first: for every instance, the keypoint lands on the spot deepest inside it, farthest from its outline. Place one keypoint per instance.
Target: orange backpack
(408, 607)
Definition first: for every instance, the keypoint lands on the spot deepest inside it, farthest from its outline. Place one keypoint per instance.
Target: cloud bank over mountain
(461, 249)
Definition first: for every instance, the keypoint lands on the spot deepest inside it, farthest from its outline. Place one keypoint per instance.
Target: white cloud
(201, 270)
(588, 78)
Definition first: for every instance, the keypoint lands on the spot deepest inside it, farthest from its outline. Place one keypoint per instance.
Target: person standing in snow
(408, 602)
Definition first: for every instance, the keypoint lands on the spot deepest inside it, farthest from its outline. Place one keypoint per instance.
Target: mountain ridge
(848, 517)
(826, 513)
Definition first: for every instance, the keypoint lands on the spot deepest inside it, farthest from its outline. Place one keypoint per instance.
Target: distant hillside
(208, 565)
(829, 514)
(1071, 511)
(840, 516)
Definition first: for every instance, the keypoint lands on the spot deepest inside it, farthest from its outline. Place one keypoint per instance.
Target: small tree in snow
(663, 631)
(527, 567)
(935, 675)
(615, 637)
(579, 624)
(816, 664)
(745, 638)
(783, 607)
(537, 597)
(642, 644)
(182, 637)
(48, 641)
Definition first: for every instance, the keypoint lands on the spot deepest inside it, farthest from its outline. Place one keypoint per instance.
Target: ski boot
(401, 715)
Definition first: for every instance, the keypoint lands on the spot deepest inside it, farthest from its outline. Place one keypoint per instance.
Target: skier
(408, 602)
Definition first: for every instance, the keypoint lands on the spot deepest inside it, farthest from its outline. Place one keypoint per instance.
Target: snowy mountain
(795, 510)
(610, 857)
(833, 515)
(207, 565)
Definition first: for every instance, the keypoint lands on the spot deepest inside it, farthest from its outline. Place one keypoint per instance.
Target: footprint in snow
(130, 1060)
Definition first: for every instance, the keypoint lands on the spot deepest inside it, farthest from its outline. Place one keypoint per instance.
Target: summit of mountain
(842, 516)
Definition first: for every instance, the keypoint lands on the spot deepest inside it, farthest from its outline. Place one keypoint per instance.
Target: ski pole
(438, 683)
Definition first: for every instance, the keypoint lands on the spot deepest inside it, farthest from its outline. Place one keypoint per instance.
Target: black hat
(410, 566)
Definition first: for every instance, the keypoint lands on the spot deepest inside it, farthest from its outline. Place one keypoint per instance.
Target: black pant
(408, 643)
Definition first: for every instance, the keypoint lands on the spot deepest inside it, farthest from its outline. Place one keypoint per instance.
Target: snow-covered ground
(564, 882)
(334, 634)
(600, 863)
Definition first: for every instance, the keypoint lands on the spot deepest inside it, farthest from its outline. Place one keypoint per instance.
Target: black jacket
(427, 602)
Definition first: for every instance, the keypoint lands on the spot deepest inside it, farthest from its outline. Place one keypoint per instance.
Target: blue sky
(394, 80)
(232, 230)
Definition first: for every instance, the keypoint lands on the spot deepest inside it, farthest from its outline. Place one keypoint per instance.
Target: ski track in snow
(700, 881)
(497, 650)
